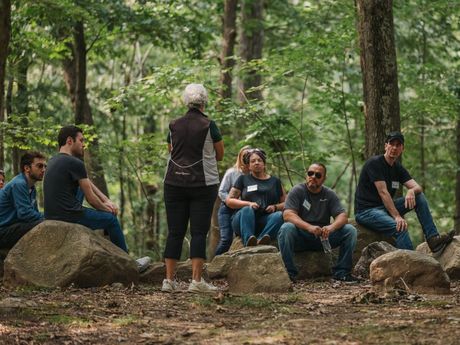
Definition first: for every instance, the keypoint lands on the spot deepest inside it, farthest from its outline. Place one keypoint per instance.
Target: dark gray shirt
(316, 209)
(60, 187)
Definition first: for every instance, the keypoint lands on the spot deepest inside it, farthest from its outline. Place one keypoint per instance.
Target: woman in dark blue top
(260, 200)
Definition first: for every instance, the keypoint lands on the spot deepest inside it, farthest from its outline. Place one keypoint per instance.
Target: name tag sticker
(252, 188)
(306, 204)
(395, 184)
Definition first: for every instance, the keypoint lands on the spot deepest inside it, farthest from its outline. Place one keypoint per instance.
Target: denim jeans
(95, 219)
(378, 219)
(291, 240)
(247, 222)
(224, 217)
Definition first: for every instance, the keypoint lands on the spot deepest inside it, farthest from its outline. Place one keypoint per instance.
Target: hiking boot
(169, 285)
(202, 287)
(252, 241)
(438, 243)
(348, 278)
(265, 240)
(143, 263)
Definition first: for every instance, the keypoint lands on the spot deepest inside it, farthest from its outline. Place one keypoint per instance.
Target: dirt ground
(318, 312)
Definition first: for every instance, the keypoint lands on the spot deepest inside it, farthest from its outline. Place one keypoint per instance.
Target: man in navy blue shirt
(375, 208)
(18, 205)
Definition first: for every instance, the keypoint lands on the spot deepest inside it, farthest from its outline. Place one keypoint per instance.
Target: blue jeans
(378, 219)
(224, 217)
(291, 240)
(247, 222)
(95, 219)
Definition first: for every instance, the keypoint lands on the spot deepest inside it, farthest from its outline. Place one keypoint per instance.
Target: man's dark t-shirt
(263, 192)
(60, 187)
(377, 169)
(314, 208)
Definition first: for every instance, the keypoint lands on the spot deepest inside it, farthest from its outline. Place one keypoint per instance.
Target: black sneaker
(347, 279)
(438, 243)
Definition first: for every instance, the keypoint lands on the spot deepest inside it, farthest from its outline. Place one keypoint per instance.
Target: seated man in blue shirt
(18, 205)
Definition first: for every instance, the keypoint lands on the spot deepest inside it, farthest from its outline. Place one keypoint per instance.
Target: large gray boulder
(258, 273)
(409, 270)
(251, 270)
(449, 258)
(56, 254)
(369, 254)
(221, 264)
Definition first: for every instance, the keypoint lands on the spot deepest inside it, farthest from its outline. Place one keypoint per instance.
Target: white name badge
(252, 188)
(395, 184)
(306, 204)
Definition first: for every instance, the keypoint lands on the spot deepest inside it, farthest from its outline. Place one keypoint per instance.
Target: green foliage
(141, 54)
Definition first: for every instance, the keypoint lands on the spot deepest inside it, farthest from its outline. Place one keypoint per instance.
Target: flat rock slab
(58, 254)
(449, 258)
(409, 270)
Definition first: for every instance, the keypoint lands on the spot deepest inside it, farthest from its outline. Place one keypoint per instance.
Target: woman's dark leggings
(184, 204)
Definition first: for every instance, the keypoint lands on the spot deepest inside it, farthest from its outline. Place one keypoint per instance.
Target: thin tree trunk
(457, 186)
(5, 36)
(22, 110)
(227, 60)
(251, 45)
(379, 70)
(75, 78)
(423, 166)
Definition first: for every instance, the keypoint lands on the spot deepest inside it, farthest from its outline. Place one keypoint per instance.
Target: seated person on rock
(66, 182)
(307, 214)
(2, 179)
(18, 200)
(262, 200)
(225, 213)
(375, 208)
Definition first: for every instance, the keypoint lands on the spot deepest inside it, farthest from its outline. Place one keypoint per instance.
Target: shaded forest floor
(315, 312)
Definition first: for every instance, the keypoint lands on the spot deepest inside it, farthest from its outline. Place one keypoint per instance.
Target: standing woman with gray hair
(190, 186)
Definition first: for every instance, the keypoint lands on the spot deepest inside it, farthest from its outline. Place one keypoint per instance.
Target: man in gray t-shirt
(307, 214)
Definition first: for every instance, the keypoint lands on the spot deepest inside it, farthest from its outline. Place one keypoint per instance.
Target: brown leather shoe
(438, 243)
(266, 240)
(252, 241)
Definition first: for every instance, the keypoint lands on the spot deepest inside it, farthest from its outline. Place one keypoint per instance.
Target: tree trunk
(75, 79)
(5, 35)
(252, 38)
(457, 186)
(21, 113)
(379, 69)
(214, 232)
(227, 60)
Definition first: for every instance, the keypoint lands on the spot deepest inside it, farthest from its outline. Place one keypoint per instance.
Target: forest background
(282, 75)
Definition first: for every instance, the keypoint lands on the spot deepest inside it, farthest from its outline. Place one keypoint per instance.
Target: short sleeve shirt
(263, 192)
(314, 208)
(377, 169)
(60, 186)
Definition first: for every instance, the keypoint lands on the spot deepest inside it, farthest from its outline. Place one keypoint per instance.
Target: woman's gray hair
(195, 95)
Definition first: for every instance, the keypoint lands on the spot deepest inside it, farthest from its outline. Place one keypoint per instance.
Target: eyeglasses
(40, 165)
(317, 174)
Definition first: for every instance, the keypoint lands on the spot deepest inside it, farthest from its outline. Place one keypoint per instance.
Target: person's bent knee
(287, 230)
(350, 230)
(247, 209)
